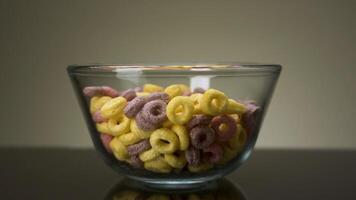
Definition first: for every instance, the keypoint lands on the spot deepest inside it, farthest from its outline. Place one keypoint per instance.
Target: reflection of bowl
(221, 189)
(235, 96)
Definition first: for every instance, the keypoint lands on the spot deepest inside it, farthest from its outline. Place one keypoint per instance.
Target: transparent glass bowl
(231, 92)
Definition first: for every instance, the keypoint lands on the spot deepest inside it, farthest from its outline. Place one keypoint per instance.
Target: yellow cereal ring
(103, 127)
(164, 140)
(119, 150)
(158, 197)
(234, 146)
(152, 88)
(141, 133)
(213, 102)
(195, 98)
(119, 126)
(183, 136)
(235, 107)
(236, 117)
(200, 167)
(157, 165)
(180, 117)
(129, 138)
(176, 161)
(167, 124)
(126, 195)
(113, 107)
(140, 94)
(175, 90)
(97, 102)
(149, 155)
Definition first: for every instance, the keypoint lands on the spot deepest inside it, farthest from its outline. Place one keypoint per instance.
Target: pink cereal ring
(91, 91)
(139, 147)
(128, 94)
(134, 106)
(106, 139)
(201, 136)
(109, 91)
(213, 153)
(98, 118)
(224, 126)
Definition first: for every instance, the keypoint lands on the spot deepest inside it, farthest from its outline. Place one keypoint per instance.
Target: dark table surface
(268, 174)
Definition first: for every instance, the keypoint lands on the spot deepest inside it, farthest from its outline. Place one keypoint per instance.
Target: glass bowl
(174, 125)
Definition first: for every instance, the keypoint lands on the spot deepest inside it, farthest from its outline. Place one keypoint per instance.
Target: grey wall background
(313, 105)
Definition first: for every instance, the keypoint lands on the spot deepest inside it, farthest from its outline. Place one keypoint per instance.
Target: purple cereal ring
(199, 90)
(98, 118)
(143, 124)
(154, 112)
(186, 93)
(134, 106)
(157, 95)
(138, 89)
(139, 147)
(135, 162)
(106, 139)
(129, 94)
(224, 133)
(199, 120)
(213, 153)
(202, 136)
(109, 91)
(249, 118)
(193, 156)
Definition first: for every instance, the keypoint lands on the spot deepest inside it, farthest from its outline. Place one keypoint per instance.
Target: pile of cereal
(173, 128)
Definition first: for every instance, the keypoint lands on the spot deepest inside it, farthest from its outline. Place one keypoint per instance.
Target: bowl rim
(153, 69)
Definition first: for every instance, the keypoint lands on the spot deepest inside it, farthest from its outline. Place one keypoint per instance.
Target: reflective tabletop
(29, 173)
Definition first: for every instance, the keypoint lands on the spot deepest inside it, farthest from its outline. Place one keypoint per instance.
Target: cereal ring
(97, 102)
(176, 160)
(139, 147)
(158, 165)
(235, 107)
(167, 124)
(213, 153)
(187, 93)
(119, 126)
(213, 102)
(152, 88)
(195, 98)
(180, 117)
(106, 139)
(129, 138)
(142, 134)
(138, 89)
(236, 117)
(149, 155)
(164, 140)
(175, 90)
(200, 167)
(109, 91)
(202, 136)
(183, 136)
(157, 95)
(92, 91)
(135, 162)
(239, 139)
(198, 90)
(113, 107)
(98, 118)
(134, 106)
(199, 120)
(154, 112)
(224, 126)
(129, 94)
(249, 118)
(193, 156)
(103, 127)
(118, 149)
(143, 124)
